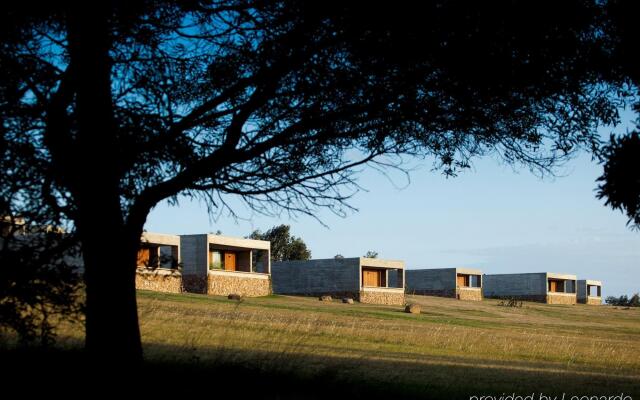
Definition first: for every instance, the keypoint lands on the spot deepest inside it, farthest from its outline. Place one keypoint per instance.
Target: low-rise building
(458, 283)
(368, 280)
(546, 287)
(589, 292)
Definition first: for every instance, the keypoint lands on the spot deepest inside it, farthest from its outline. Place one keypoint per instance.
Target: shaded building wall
(317, 277)
(194, 254)
(530, 286)
(434, 282)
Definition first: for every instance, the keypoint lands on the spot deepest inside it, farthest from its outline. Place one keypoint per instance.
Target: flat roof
(552, 275)
(160, 238)
(238, 242)
(590, 282)
(381, 263)
(555, 275)
(459, 270)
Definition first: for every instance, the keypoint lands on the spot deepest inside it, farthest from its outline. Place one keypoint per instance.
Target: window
(216, 260)
(168, 256)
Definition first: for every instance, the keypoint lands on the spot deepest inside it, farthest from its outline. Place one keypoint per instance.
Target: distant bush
(624, 301)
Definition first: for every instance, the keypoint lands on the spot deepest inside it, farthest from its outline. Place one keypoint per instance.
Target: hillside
(454, 349)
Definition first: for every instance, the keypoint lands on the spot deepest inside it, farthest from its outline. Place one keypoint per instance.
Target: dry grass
(453, 347)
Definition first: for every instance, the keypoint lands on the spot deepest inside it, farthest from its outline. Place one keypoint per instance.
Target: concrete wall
(431, 281)
(194, 253)
(316, 277)
(515, 285)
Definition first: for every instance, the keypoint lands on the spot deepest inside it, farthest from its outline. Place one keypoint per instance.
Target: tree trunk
(112, 330)
(109, 246)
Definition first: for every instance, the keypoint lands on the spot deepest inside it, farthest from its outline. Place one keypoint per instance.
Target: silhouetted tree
(371, 254)
(620, 181)
(127, 104)
(39, 282)
(624, 300)
(621, 178)
(284, 247)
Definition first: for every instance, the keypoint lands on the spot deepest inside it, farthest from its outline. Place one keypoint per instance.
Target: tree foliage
(620, 181)
(39, 285)
(117, 106)
(371, 254)
(624, 300)
(284, 246)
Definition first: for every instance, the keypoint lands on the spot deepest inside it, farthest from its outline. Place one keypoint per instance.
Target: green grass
(452, 349)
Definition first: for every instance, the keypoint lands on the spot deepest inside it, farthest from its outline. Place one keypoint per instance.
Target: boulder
(412, 309)
(326, 298)
(234, 296)
(347, 300)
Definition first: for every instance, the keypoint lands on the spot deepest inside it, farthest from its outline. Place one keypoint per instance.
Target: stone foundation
(160, 280)
(334, 295)
(470, 294)
(194, 284)
(534, 298)
(560, 298)
(249, 285)
(550, 298)
(439, 293)
(591, 300)
(387, 297)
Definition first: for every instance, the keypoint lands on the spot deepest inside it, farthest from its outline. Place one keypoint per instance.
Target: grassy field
(452, 349)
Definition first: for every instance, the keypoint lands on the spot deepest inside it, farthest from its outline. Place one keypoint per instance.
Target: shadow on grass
(263, 375)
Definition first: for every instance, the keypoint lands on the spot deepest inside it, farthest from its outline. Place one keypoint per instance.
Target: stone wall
(559, 298)
(534, 298)
(592, 300)
(224, 285)
(168, 281)
(472, 294)
(381, 297)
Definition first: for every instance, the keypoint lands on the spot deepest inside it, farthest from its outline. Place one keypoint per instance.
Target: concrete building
(589, 292)
(222, 265)
(546, 287)
(458, 283)
(368, 280)
(207, 264)
(158, 262)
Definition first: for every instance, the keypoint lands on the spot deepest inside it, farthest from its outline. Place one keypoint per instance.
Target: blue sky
(490, 217)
